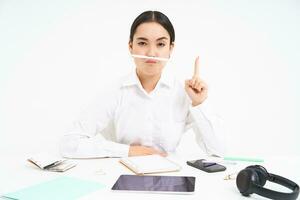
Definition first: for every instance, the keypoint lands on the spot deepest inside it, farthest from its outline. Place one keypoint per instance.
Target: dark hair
(153, 16)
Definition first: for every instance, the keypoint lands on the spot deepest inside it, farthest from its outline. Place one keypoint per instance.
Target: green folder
(63, 188)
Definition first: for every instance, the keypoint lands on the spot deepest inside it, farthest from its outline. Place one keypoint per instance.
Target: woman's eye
(161, 44)
(141, 43)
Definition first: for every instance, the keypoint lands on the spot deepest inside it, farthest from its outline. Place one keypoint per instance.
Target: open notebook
(149, 164)
(50, 162)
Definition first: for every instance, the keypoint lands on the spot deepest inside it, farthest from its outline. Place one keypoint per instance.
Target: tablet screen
(155, 183)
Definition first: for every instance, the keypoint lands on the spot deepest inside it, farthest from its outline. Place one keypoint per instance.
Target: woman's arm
(86, 138)
(83, 145)
(92, 135)
(208, 129)
(206, 126)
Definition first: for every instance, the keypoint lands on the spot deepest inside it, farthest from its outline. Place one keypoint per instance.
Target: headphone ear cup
(245, 181)
(261, 172)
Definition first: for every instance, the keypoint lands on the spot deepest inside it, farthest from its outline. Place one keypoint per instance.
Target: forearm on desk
(82, 146)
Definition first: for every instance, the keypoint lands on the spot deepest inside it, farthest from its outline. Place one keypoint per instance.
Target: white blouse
(127, 115)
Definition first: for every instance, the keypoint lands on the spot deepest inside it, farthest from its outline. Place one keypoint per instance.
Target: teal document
(64, 188)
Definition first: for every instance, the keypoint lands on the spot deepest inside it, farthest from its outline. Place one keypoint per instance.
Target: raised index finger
(196, 69)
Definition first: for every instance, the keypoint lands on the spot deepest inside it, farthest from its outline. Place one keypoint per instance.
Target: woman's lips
(151, 61)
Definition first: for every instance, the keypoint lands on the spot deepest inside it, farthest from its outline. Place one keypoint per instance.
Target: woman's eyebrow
(162, 38)
(142, 38)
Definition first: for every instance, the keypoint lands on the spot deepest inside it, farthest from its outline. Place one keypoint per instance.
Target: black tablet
(169, 184)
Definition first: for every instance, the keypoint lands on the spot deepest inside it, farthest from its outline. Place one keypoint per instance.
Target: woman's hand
(138, 150)
(195, 87)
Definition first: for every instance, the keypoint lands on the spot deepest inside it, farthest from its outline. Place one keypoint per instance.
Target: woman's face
(150, 39)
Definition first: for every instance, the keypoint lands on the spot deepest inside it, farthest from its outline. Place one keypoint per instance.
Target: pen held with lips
(149, 57)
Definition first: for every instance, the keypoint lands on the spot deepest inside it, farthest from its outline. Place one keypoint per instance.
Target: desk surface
(16, 173)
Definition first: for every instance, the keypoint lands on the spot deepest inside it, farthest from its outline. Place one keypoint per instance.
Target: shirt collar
(166, 79)
(132, 79)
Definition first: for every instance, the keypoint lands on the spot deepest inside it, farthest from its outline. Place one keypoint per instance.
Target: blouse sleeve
(208, 128)
(85, 139)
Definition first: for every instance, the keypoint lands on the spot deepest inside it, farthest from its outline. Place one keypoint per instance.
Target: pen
(53, 164)
(243, 159)
(162, 149)
(149, 57)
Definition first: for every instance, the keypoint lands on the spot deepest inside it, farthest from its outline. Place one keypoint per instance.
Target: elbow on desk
(219, 152)
(68, 146)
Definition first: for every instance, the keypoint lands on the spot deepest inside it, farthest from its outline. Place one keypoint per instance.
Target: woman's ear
(171, 47)
(130, 46)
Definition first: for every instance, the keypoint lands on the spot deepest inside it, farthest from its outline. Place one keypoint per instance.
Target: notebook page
(151, 163)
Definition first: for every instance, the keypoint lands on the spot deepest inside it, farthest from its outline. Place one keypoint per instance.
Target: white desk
(16, 173)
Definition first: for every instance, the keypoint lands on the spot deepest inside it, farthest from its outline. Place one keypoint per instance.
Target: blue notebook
(63, 188)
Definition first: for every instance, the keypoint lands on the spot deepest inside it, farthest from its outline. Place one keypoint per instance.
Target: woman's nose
(151, 51)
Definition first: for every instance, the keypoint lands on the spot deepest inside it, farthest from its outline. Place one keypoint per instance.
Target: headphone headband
(253, 184)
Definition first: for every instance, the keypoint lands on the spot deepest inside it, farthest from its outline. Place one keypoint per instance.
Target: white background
(55, 55)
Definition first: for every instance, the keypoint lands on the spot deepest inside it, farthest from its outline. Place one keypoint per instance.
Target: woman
(148, 111)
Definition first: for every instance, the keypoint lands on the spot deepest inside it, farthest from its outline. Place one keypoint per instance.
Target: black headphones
(253, 178)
